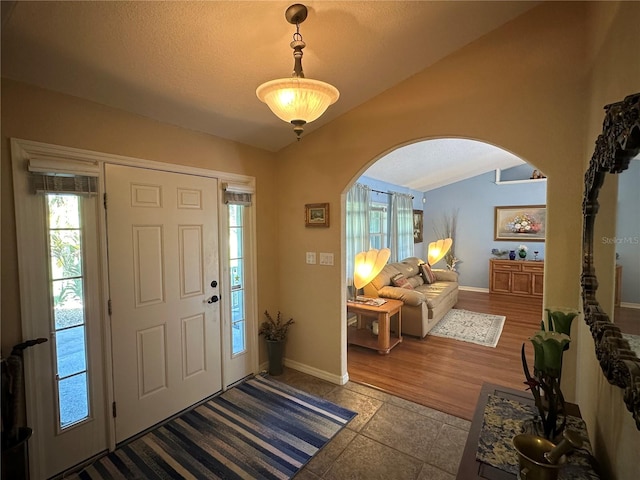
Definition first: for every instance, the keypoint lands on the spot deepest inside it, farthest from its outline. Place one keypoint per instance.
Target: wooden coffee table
(362, 336)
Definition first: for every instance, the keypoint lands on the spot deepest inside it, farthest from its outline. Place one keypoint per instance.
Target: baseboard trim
(630, 305)
(315, 372)
(474, 289)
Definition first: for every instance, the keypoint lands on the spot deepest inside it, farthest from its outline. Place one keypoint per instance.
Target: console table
(362, 336)
(524, 278)
(471, 468)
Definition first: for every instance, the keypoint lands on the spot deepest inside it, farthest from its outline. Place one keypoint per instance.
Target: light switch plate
(326, 258)
(311, 258)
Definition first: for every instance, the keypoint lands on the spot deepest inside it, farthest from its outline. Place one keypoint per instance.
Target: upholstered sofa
(424, 303)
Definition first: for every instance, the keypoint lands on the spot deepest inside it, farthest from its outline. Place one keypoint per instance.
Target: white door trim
(24, 150)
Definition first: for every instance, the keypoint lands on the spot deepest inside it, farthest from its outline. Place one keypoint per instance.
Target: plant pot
(275, 354)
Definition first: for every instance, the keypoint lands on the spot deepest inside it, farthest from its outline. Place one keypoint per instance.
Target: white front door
(163, 265)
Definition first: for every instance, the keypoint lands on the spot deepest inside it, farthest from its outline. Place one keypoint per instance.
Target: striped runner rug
(259, 429)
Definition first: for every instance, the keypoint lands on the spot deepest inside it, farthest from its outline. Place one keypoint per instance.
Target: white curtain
(401, 227)
(358, 205)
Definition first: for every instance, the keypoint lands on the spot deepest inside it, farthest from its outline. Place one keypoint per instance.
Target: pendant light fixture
(297, 100)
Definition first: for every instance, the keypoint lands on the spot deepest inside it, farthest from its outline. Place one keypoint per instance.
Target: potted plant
(549, 345)
(275, 333)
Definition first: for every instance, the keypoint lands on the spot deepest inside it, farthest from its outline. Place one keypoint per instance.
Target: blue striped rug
(260, 429)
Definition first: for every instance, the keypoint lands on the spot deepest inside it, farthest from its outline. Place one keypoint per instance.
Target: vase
(512, 254)
(522, 254)
(275, 353)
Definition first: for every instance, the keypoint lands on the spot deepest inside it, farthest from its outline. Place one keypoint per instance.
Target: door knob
(213, 299)
(214, 284)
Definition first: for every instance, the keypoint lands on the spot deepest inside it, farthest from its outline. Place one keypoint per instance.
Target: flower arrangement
(549, 347)
(274, 330)
(524, 223)
(523, 248)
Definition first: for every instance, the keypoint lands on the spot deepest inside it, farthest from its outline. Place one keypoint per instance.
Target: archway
(473, 177)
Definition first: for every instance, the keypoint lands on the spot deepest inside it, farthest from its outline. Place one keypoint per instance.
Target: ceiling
(197, 64)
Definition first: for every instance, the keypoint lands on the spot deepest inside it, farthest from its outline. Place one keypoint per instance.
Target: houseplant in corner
(275, 333)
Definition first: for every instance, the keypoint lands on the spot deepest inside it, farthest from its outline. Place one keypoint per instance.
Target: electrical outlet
(326, 258)
(311, 258)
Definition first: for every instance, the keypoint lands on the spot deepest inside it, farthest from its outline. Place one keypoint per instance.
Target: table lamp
(369, 264)
(438, 249)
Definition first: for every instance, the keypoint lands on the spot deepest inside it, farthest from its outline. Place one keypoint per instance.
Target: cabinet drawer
(528, 267)
(511, 266)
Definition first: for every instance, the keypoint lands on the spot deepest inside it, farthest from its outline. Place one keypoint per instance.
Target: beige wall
(524, 88)
(35, 114)
(614, 48)
(521, 88)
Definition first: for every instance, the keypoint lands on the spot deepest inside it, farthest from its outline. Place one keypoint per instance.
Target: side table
(361, 336)
(470, 467)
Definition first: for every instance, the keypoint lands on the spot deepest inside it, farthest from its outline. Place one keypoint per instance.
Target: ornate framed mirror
(615, 148)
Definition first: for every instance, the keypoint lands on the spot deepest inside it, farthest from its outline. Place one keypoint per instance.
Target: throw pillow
(427, 273)
(399, 280)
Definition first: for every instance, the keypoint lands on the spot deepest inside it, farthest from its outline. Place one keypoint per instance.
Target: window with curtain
(378, 225)
(358, 224)
(401, 227)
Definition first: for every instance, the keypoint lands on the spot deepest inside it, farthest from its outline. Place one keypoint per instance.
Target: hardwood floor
(447, 374)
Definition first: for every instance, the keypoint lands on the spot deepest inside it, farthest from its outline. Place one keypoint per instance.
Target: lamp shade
(369, 264)
(438, 249)
(297, 99)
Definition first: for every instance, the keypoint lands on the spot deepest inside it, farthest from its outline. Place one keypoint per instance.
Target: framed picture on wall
(316, 215)
(417, 226)
(520, 223)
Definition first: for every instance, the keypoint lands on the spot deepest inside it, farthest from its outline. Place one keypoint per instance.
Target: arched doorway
(471, 178)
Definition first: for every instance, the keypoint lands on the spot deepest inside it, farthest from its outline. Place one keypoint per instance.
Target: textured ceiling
(197, 64)
(439, 162)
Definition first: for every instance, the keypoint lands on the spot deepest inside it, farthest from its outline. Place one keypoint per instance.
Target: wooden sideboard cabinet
(516, 277)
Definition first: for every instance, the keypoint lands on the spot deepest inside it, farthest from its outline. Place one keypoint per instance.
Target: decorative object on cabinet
(525, 222)
(618, 143)
(523, 278)
(316, 215)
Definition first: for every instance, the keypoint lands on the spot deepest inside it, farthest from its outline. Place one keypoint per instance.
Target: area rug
(260, 429)
(481, 328)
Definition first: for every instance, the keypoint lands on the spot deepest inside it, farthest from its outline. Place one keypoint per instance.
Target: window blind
(77, 184)
(237, 194)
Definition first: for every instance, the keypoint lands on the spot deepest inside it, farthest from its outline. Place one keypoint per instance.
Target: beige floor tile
(429, 472)
(404, 430)
(365, 406)
(325, 458)
(367, 459)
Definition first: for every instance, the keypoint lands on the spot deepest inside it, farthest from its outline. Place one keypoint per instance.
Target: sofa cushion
(399, 280)
(427, 273)
(445, 275)
(437, 292)
(408, 297)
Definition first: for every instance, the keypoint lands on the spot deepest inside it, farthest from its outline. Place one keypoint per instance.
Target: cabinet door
(521, 283)
(537, 282)
(500, 281)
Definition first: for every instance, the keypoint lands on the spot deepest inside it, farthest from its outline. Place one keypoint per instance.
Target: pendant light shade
(297, 100)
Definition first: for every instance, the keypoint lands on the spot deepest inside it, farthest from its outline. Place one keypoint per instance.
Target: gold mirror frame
(615, 147)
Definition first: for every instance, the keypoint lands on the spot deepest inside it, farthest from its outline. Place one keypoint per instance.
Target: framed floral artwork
(316, 215)
(520, 223)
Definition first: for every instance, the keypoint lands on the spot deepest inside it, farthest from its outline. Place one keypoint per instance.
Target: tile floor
(391, 438)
